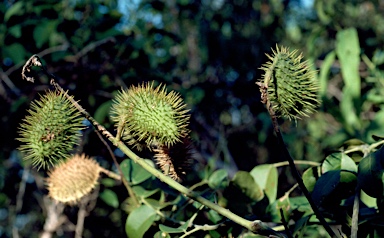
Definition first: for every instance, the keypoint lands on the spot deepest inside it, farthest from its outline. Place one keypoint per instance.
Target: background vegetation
(208, 51)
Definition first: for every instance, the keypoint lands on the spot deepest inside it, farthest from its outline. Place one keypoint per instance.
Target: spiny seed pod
(51, 130)
(150, 115)
(291, 85)
(73, 179)
(175, 160)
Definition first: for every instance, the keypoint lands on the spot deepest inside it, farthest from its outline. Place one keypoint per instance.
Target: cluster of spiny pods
(145, 117)
(148, 117)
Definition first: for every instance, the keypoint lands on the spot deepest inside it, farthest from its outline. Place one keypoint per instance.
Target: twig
(110, 174)
(287, 156)
(55, 217)
(131, 193)
(355, 214)
(304, 162)
(86, 205)
(200, 228)
(90, 47)
(285, 224)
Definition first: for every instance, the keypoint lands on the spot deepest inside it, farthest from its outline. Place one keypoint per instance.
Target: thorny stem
(256, 226)
(285, 152)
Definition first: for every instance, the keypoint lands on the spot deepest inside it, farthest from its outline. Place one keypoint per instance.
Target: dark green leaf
(110, 198)
(133, 172)
(102, 111)
(16, 52)
(139, 221)
(370, 173)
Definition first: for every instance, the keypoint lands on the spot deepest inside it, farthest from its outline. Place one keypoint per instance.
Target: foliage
(209, 52)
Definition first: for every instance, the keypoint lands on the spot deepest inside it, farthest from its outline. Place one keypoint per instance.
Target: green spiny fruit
(147, 115)
(291, 84)
(51, 130)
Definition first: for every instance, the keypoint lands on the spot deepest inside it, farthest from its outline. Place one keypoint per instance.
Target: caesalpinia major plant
(148, 117)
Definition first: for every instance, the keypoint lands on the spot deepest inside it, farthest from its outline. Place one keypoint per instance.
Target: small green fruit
(291, 84)
(51, 130)
(150, 115)
(370, 174)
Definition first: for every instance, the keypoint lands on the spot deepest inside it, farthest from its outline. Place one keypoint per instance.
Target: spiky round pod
(51, 130)
(291, 84)
(71, 180)
(176, 160)
(150, 115)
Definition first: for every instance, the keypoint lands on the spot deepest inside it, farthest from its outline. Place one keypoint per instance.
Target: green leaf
(218, 179)
(161, 234)
(348, 52)
(214, 216)
(141, 192)
(267, 177)
(43, 32)
(283, 204)
(171, 230)
(15, 9)
(108, 182)
(245, 182)
(368, 200)
(301, 204)
(16, 52)
(110, 198)
(324, 72)
(15, 31)
(310, 177)
(133, 172)
(339, 161)
(139, 221)
(158, 205)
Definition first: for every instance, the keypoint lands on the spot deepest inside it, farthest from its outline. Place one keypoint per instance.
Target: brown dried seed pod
(73, 179)
(176, 160)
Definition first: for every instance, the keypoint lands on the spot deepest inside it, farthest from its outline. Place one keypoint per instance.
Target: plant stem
(287, 156)
(304, 162)
(355, 214)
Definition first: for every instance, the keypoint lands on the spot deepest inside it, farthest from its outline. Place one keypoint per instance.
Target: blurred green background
(208, 51)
